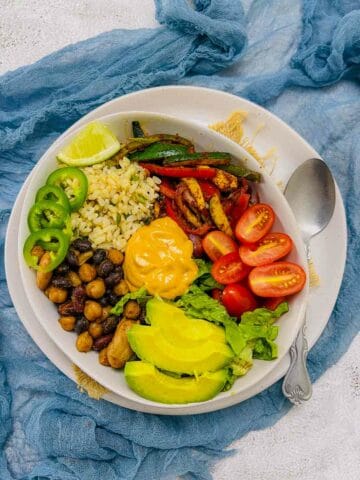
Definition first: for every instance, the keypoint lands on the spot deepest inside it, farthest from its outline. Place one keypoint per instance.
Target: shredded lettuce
(204, 279)
(140, 295)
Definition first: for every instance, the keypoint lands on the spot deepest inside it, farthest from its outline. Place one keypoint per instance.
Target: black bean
(105, 268)
(113, 279)
(110, 324)
(81, 325)
(99, 256)
(78, 298)
(112, 298)
(66, 309)
(119, 269)
(61, 282)
(63, 269)
(102, 342)
(142, 316)
(103, 301)
(82, 244)
(71, 258)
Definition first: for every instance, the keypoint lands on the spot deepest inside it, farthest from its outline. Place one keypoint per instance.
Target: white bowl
(204, 139)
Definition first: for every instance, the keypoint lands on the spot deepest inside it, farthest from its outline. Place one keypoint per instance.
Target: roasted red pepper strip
(166, 189)
(172, 213)
(180, 172)
(208, 189)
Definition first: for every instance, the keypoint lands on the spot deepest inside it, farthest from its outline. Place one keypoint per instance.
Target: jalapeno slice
(74, 180)
(53, 194)
(47, 214)
(48, 237)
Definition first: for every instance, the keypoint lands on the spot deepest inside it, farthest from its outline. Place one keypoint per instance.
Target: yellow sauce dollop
(158, 257)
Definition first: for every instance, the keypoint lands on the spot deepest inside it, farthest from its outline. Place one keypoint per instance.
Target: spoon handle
(297, 384)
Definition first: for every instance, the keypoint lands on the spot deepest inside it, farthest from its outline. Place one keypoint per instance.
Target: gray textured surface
(317, 441)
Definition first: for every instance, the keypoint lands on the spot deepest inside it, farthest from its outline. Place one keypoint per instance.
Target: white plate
(194, 104)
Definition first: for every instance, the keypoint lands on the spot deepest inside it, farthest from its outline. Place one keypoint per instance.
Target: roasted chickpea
(115, 256)
(103, 357)
(37, 251)
(57, 295)
(96, 330)
(43, 278)
(84, 342)
(67, 323)
(96, 288)
(92, 310)
(121, 288)
(87, 272)
(105, 313)
(132, 309)
(74, 279)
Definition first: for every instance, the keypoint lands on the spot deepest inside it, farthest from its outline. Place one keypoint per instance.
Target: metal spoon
(310, 192)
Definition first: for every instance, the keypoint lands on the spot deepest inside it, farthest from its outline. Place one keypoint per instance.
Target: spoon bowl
(311, 195)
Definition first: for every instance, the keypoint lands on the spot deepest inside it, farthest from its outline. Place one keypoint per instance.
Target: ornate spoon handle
(297, 384)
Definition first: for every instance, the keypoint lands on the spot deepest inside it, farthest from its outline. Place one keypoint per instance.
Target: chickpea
(92, 310)
(103, 357)
(121, 288)
(115, 256)
(37, 251)
(87, 272)
(67, 323)
(43, 278)
(96, 288)
(132, 309)
(96, 330)
(84, 342)
(57, 295)
(105, 313)
(74, 279)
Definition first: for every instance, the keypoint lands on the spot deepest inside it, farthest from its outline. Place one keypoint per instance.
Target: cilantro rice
(119, 201)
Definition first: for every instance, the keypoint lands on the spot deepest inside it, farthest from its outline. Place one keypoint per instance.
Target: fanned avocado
(150, 383)
(150, 344)
(177, 328)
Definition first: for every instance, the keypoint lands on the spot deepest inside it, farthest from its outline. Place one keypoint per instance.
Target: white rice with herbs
(119, 201)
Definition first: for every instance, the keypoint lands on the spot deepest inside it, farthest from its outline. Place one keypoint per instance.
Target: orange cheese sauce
(159, 257)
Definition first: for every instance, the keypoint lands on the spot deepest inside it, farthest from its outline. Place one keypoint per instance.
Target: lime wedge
(93, 144)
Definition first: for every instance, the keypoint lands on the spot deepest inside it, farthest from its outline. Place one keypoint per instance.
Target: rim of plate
(253, 164)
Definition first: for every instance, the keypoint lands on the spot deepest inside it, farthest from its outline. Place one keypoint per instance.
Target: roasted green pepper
(199, 158)
(137, 130)
(54, 194)
(47, 214)
(75, 180)
(48, 237)
(158, 151)
(140, 143)
(243, 172)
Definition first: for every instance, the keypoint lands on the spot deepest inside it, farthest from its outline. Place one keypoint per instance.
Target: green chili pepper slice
(74, 179)
(199, 158)
(47, 214)
(47, 236)
(158, 151)
(243, 172)
(54, 194)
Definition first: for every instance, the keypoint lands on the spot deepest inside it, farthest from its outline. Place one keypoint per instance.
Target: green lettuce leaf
(140, 295)
(264, 316)
(204, 279)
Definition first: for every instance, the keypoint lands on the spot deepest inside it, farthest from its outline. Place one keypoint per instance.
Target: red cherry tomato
(254, 223)
(273, 303)
(229, 269)
(237, 299)
(217, 243)
(270, 248)
(278, 279)
(216, 294)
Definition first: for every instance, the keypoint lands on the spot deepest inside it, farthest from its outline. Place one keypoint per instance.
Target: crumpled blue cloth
(300, 60)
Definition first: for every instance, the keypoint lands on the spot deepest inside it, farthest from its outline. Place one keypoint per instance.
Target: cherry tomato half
(254, 223)
(217, 243)
(272, 303)
(270, 248)
(278, 279)
(229, 269)
(237, 299)
(216, 294)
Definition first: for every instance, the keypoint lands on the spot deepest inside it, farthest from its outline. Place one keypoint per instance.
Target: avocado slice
(177, 328)
(148, 382)
(149, 344)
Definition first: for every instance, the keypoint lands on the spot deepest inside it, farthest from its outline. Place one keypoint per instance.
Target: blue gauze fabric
(300, 60)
